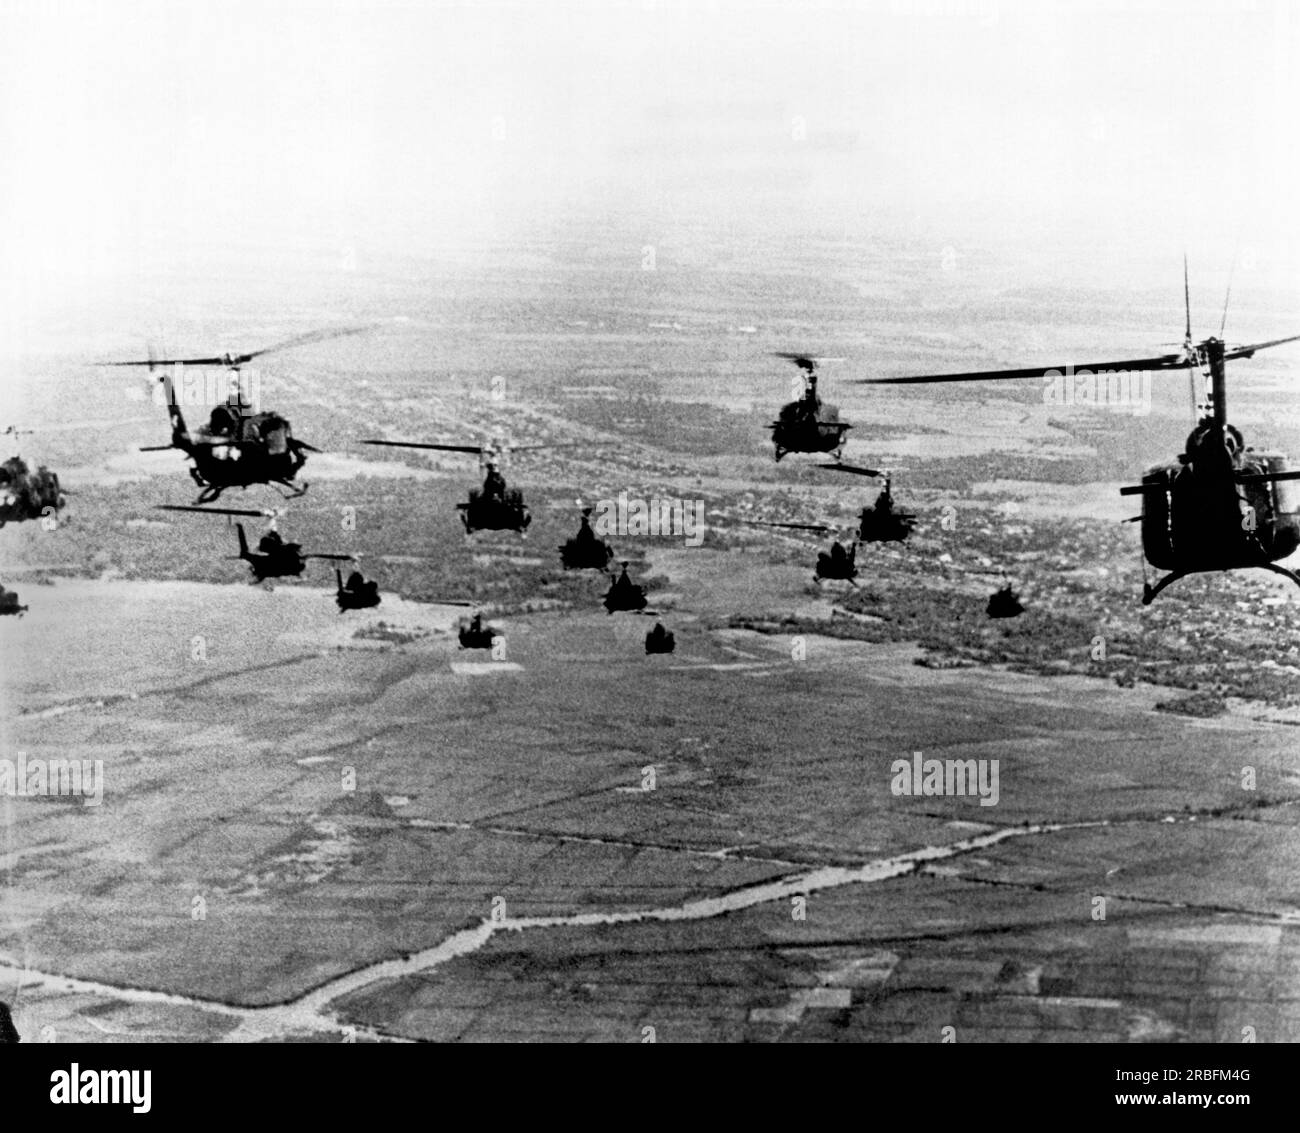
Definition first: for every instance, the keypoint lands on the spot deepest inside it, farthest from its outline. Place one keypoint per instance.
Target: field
(324, 825)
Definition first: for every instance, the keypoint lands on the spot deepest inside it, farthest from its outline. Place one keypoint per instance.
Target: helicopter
(475, 635)
(624, 595)
(1220, 505)
(9, 603)
(239, 447)
(274, 558)
(880, 523)
(660, 640)
(838, 564)
(1004, 603)
(358, 594)
(25, 494)
(494, 507)
(584, 551)
(808, 424)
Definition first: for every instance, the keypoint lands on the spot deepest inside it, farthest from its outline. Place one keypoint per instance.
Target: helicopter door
(1285, 500)
(1157, 525)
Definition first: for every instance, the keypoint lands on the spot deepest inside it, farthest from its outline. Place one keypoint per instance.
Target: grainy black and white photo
(658, 521)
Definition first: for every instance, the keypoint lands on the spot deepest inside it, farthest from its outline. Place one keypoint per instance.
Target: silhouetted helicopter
(239, 446)
(9, 603)
(584, 551)
(807, 424)
(660, 640)
(881, 522)
(274, 558)
(357, 594)
(1220, 505)
(494, 507)
(623, 594)
(25, 494)
(839, 564)
(1005, 603)
(475, 635)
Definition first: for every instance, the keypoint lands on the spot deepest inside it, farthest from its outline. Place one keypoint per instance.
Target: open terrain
(318, 825)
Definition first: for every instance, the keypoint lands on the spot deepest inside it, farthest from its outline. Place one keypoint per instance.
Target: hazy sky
(134, 134)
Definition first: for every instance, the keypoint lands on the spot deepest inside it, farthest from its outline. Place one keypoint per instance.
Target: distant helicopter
(274, 558)
(808, 424)
(494, 507)
(660, 640)
(624, 595)
(881, 522)
(1220, 505)
(358, 593)
(239, 446)
(839, 564)
(9, 603)
(475, 635)
(584, 551)
(1005, 603)
(25, 494)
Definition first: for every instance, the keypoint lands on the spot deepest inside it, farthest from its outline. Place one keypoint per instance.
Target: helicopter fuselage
(808, 425)
(837, 564)
(1220, 506)
(25, 494)
(504, 511)
(288, 563)
(236, 448)
(359, 593)
(1196, 520)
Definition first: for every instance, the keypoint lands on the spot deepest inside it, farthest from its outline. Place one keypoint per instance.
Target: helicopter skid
(1149, 592)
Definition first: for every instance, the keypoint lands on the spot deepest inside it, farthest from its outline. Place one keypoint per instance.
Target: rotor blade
(240, 359)
(1187, 300)
(307, 339)
(805, 363)
(1223, 322)
(804, 360)
(1266, 477)
(316, 556)
(216, 510)
(1138, 489)
(852, 468)
(155, 448)
(441, 448)
(820, 528)
(152, 362)
(304, 446)
(1163, 362)
(556, 444)
(1247, 351)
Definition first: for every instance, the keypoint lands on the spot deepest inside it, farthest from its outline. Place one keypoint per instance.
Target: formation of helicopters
(1220, 505)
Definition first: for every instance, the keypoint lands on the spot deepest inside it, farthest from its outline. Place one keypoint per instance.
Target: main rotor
(1210, 356)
